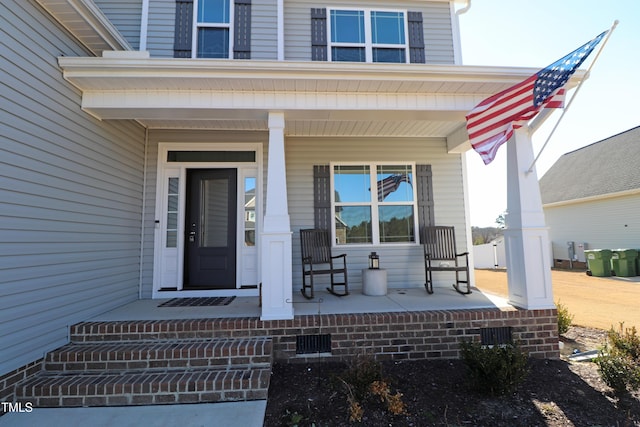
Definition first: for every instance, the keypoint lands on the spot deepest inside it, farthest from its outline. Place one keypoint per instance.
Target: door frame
(168, 270)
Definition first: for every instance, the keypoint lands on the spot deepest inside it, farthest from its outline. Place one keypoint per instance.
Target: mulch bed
(435, 393)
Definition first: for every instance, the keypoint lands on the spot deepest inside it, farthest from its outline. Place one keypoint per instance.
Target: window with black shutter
(388, 180)
(212, 35)
(363, 35)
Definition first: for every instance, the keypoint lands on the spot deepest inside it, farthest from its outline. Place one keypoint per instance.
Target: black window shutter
(425, 196)
(183, 28)
(319, 34)
(242, 30)
(416, 38)
(322, 197)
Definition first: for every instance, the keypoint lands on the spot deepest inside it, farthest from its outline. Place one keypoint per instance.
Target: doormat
(197, 302)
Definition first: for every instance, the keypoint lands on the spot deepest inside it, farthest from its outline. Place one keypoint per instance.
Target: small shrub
(494, 370)
(619, 360)
(362, 372)
(362, 383)
(564, 318)
(293, 419)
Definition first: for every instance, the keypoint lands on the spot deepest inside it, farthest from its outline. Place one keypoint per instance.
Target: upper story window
(386, 214)
(213, 26)
(368, 36)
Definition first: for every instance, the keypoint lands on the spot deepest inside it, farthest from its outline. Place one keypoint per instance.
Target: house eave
(121, 71)
(592, 198)
(350, 99)
(87, 23)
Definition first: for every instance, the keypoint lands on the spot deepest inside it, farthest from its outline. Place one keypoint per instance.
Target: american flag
(390, 184)
(492, 122)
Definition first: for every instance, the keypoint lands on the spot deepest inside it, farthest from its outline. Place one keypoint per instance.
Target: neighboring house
(591, 197)
(174, 148)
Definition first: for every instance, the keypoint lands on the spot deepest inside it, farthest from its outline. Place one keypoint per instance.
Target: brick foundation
(384, 336)
(401, 335)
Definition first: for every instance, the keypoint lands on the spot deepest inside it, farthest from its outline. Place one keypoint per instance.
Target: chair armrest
(339, 256)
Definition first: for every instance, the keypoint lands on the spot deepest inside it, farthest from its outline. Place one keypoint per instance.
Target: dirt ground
(596, 302)
(435, 393)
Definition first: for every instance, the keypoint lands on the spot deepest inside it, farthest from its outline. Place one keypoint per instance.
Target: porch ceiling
(318, 99)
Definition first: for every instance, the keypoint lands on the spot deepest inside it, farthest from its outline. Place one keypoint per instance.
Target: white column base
(277, 297)
(528, 268)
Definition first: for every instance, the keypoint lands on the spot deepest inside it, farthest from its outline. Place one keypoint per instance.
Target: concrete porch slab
(396, 300)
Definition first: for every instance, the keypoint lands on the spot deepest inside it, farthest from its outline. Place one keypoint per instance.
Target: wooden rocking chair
(439, 244)
(316, 251)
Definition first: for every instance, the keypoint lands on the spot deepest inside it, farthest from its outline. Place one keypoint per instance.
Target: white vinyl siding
(70, 195)
(438, 31)
(404, 262)
(126, 16)
(608, 223)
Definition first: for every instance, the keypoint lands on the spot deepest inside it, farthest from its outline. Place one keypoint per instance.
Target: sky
(536, 33)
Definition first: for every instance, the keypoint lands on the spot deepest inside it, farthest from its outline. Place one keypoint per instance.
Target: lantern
(374, 261)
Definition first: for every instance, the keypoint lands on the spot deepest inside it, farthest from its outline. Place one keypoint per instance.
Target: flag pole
(604, 42)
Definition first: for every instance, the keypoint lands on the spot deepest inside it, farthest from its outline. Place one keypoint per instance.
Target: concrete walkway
(226, 414)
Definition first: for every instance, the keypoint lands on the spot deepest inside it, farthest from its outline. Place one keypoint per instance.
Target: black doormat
(197, 302)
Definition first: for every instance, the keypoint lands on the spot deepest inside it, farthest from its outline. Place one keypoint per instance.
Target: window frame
(221, 25)
(368, 43)
(374, 204)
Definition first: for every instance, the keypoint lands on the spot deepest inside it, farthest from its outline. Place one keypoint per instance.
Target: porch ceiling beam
(458, 140)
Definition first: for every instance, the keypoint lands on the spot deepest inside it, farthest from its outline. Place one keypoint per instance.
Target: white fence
(490, 255)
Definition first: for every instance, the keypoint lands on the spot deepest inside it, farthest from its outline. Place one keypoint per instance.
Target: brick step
(154, 330)
(145, 387)
(130, 355)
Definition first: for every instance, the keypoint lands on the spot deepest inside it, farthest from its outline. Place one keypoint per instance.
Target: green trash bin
(623, 262)
(599, 262)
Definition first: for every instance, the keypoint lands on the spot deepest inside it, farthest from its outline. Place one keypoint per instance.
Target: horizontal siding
(404, 263)
(264, 33)
(70, 195)
(610, 223)
(160, 28)
(264, 30)
(438, 36)
(126, 16)
(438, 33)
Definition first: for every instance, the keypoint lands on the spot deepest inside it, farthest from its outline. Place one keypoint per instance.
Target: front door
(210, 227)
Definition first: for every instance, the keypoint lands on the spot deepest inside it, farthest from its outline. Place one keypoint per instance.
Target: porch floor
(396, 300)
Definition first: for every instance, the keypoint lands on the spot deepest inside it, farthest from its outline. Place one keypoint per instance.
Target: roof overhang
(318, 98)
(87, 23)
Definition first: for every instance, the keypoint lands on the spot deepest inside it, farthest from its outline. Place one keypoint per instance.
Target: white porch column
(526, 235)
(276, 232)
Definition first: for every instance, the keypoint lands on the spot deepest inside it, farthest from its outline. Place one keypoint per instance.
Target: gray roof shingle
(608, 166)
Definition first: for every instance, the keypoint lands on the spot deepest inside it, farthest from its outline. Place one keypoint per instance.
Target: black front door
(210, 241)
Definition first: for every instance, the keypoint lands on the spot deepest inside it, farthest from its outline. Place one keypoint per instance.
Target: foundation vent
(306, 344)
(495, 336)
